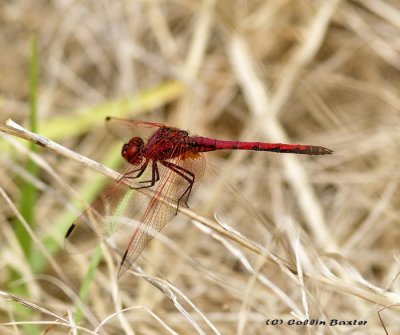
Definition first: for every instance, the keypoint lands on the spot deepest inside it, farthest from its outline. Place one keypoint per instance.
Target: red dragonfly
(170, 162)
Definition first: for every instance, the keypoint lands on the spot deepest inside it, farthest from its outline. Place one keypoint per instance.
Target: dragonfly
(171, 163)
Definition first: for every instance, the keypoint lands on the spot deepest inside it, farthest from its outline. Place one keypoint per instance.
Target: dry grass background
(313, 72)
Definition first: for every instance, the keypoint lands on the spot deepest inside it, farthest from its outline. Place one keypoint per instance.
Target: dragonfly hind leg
(185, 174)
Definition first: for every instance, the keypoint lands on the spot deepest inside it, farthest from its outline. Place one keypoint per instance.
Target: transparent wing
(125, 129)
(98, 221)
(163, 206)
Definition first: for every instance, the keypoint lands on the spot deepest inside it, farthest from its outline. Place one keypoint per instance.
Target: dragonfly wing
(125, 129)
(100, 220)
(162, 207)
(154, 220)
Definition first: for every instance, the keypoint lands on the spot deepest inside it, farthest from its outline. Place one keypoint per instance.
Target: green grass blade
(28, 190)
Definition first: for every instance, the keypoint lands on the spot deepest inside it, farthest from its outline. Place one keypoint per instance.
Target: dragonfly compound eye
(132, 151)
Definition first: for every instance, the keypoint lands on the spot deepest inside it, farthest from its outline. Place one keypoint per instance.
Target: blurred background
(311, 72)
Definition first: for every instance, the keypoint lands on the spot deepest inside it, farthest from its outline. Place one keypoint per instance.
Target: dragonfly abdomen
(204, 144)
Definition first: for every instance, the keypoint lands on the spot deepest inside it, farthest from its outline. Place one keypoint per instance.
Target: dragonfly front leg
(185, 174)
(140, 171)
(155, 177)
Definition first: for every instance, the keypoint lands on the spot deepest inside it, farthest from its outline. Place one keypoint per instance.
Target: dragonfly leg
(139, 171)
(185, 174)
(155, 177)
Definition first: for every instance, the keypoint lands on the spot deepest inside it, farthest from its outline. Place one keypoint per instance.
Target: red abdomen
(204, 144)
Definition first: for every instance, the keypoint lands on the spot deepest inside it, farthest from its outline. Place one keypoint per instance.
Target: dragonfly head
(133, 151)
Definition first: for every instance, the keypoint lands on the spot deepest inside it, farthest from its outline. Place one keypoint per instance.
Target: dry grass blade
(29, 304)
(173, 294)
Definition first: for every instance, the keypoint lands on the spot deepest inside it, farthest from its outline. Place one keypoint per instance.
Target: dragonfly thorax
(133, 151)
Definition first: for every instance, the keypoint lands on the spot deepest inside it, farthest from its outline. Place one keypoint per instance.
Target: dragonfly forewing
(103, 217)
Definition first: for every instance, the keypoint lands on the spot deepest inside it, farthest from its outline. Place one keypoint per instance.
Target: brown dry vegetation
(313, 72)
